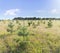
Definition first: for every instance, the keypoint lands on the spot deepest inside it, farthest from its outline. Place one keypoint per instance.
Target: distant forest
(34, 18)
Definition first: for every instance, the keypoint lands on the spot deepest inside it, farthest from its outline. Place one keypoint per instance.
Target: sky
(29, 8)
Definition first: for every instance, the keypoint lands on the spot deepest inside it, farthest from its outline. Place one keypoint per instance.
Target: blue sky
(29, 8)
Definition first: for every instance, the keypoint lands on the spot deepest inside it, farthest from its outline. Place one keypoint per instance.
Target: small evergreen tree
(38, 23)
(29, 23)
(10, 27)
(44, 22)
(17, 21)
(34, 25)
(23, 31)
(50, 23)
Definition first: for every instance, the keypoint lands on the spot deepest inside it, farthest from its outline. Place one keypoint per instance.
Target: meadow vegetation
(30, 36)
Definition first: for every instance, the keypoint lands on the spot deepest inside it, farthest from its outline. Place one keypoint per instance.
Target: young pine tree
(10, 27)
(49, 23)
(23, 31)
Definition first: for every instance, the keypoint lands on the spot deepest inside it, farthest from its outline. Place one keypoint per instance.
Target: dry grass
(39, 35)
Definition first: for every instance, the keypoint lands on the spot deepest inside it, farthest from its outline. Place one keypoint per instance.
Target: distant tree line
(34, 18)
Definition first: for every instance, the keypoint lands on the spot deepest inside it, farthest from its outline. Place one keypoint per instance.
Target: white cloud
(40, 11)
(11, 12)
(55, 11)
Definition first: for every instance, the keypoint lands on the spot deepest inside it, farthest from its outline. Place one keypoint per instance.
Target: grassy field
(29, 36)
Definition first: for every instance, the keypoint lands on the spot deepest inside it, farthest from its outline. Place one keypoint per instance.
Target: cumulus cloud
(12, 12)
